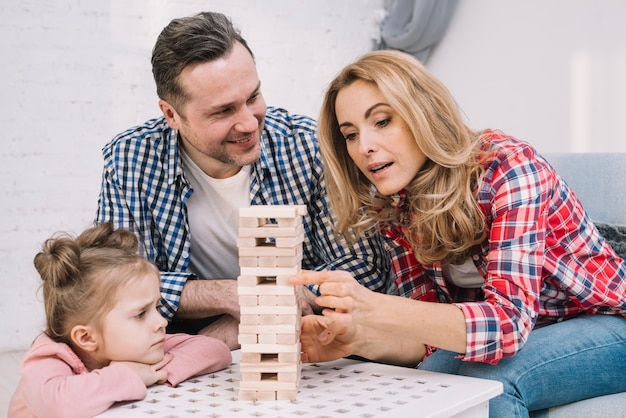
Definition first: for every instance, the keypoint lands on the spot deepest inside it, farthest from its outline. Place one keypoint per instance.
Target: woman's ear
(85, 337)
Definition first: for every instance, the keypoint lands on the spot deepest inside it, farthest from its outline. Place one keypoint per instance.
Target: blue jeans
(572, 360)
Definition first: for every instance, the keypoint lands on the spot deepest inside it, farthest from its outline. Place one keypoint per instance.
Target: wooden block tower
(269, 329)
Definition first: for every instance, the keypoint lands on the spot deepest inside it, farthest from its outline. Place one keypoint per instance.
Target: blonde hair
(444, 220)
(81, 276)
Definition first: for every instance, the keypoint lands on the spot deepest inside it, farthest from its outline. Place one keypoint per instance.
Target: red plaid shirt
(543, 260)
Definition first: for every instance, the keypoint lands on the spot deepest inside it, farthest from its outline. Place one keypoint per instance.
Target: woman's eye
(350, 136)
(383, 123)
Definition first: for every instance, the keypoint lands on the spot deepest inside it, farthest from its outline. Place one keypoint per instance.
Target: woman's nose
(367, 143)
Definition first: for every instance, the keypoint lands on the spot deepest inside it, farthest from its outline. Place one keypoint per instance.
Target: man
(178, 181)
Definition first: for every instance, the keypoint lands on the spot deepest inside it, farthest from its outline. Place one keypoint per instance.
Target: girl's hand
(149, 373)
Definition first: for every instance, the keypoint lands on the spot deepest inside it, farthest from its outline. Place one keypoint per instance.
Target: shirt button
(475, 257)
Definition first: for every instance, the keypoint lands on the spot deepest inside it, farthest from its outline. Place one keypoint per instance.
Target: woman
(501, 272)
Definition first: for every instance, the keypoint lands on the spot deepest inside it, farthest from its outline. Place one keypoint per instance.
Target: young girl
(105, 340)
(501, 273)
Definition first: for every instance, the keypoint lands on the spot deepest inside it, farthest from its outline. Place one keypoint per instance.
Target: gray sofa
(599, 180)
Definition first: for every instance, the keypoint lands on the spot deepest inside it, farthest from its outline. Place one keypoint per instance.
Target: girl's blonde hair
(444, 220)
(81, 276)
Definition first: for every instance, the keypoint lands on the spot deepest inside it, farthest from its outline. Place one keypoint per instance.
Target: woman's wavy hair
(443, 220)
(81, 276)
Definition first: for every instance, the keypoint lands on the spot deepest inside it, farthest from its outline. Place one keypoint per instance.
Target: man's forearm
(206, 298)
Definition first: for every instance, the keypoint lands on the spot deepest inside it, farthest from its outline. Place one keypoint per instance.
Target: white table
(341, 388)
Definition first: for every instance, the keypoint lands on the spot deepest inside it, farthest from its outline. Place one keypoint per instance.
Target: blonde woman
(500, 274)
(105, 339)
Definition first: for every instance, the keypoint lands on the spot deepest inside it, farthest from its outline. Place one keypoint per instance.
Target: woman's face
(377, 139)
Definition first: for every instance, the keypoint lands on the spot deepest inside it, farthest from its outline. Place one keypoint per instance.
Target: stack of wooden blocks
(269, 330)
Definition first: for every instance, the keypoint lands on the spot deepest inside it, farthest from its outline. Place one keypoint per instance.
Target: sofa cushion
(615, 236)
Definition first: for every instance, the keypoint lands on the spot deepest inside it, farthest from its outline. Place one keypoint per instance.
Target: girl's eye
(141, 315)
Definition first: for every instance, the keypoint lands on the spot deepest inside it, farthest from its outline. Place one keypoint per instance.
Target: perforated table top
(342, 388)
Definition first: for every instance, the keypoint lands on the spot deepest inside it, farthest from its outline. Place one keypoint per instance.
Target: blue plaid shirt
(144, 190)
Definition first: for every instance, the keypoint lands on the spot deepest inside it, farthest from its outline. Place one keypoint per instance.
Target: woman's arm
(380, 327)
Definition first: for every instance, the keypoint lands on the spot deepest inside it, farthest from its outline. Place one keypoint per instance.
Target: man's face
(220, 125)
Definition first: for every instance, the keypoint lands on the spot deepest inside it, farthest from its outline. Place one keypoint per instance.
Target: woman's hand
(322, 339)
(339, 293)
(345, 304)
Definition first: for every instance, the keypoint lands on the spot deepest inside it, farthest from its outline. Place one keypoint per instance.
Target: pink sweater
(55, 383)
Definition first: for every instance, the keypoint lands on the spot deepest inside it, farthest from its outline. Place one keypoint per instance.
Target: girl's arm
(194, 355)
(50, 387)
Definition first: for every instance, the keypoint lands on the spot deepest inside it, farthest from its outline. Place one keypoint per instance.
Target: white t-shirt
(213, 215)
(464, 275)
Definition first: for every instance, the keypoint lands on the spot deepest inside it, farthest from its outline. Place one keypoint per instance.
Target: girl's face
(134, 330)
(377, 139)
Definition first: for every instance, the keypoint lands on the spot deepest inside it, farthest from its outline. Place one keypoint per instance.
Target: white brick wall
(76, 72)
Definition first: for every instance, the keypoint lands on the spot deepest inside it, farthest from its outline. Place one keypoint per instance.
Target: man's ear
(85, 337)
(171, 116)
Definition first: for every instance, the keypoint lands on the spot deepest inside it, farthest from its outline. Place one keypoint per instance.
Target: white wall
(549, 72)
(74, 73)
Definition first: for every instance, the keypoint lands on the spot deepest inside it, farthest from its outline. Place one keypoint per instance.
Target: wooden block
(247, 338)
(267, 300)
(250, 320)
(269, 328)
(284, 280)
(288, 376)
(250, 280)
(266, 338)
(289, 241)
(247, 357)
(268, 319)
(267, 288)
(250, 242)
(289, 357)
(287, 261)
(272, 211)
(271, 349)
(270, 231)
(289, 222)
(287, 338)
(270, 367)
(248, 300)
(251, 262)
(269, 310)
(287, 319)
(286, 395)
(252, 222)
(267, 384)
(268, 271)
(282, 300)
(265, 261)
(250, 376)
(270, 249)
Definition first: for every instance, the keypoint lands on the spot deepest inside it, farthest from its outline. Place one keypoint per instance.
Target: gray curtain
(416, 26)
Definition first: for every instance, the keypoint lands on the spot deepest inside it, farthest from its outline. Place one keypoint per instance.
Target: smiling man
(179, 180)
